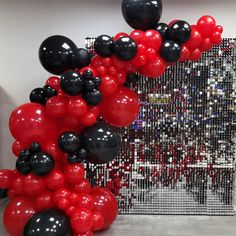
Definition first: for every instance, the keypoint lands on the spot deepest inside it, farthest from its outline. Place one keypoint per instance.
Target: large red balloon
(106, 204)
(120, 109)
(17, 214)
(29, 123)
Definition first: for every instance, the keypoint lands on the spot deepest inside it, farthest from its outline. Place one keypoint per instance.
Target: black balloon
(101, 142)
(88, 74)
(69, 142)
(80, 58)
(38, 96)
(103, 46)
(55, 54)
(180, 31)
(97, 81)
(125, 48)
(163, 28)
(93, 97)
(35, 147)
(48, 223)
(49, 91)
(74, 158)
(3, 193)
(89, 85)
(142, 14)
(170, 51)
(71, 83)
(41, 163)
(23, 162)
(132, 78)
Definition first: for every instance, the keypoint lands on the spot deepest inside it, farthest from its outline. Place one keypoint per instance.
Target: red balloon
(152, 39)
(139, 60)
(53, 149)
(96, 61)
(195, 38)
(120, 77)
(206, 25)
(195, 55)
(85, 200)
(18, 186)
(216, 38)
(77, 106)
(107, 62)
(98, 221)
(137, 35)
(74, 173)
(154, 69)
(55, 180)
(119, 63)
(82, 220)
(89, 233)
(95, 110)
(101, 71)
(17, 147)
(185, 52)
(62, 193)
(112, 71)
(219, 29)
(33, 185)
(172, 22)
(88, 119)
(106, 204)
(151, 54)
(120, 109)
(29, 123)
(17, 214)
(44, 201)
(120, 35)
(56, 106)
(108, 86)
(82, 187)
(54, 82)
(206, 45)
(6, 178)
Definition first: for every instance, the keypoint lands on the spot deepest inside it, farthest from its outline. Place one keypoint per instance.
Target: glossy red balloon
(77, 106)
(219, 29)
(54, 82)
(74, 173)
(17, 147)
(98, 221)
(120, 109)
(82, 187)
(102, 71)
(185, 52)
(195, 38)
(216, 38)
(18, 185)
(206, 25)
(195, 55)
(206, 45)
(55, 180)
(108, 86)
(6, 178)
(152, 39)
(120, 35)
(82, 220)
(88, 119)
(154, 68)
(96, 61)
(56, 106)
(30, 123)
(106, 204)
(44, 201)
(33, 185)
(17, 214)
(137, 35)
(85, 200)
(52, 148)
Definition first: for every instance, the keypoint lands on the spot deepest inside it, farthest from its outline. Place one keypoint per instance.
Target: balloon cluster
(62, 127)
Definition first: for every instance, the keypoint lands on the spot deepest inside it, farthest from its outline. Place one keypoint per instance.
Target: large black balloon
(71, 83)
(125, 48)
(101, 142)
(41, 163)
(170, 51)
(55, 53)
(103, 46)
(80, 58)
(69, 142)
(163, 28)
(180, 31)
(142, 14)
(48, 223)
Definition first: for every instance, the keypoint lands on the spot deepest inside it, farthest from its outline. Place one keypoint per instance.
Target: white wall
(24, 24)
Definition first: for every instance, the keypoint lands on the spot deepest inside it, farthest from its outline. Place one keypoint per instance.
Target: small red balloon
(74, 173)
(108, 86)
(82, 187)
(120, 35)
(18, 186)
(216, 38)
(55, 180)
(33, 185)
(206, 45)
(219, 29)
(195, 38)
(96, 61)
(206, 25)
(85, 200)
(121, 108)
(195, 55)
(152, 39)
(88, 119)
(44, 201)
(54, 82)
(185, 52)
(137, 35)
(56, 106)
(98, 221)
(77, 106)
(17, 147)
(6, 178)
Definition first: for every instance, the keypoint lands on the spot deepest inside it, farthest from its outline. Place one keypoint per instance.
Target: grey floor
(166, 226)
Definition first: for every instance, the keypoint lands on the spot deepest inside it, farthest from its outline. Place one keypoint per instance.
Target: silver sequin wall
(178, 157)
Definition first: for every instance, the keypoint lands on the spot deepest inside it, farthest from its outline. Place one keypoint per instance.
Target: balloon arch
(62, 126)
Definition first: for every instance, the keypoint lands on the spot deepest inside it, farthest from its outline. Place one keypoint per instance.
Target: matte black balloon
(163, 28)
(170, 51)
(35, 147)
(71, 83)
(180, 31)
(102, 143)
(142, 14)
(38, 96)
(49, 91)
(80, 58)
(41, 163)
(93, 97)
(48, 223)
(103, 46)
(23, 162)
(3, 193)
(55, 54)
(69, 142)
(125, 48)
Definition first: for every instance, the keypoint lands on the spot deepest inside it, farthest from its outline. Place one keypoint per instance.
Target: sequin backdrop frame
(178, 157)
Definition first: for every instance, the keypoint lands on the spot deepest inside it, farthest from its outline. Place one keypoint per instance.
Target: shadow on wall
(7, 159)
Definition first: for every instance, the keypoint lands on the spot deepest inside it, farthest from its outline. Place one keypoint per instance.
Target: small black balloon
(103, 46)
(125, 48)
(142, 14)
(80, 58)
(69, 142)
(180, 31)
(71, 83)
(38, 95)
(55, 54)
(97, 81)
(89, 85)
(162, 28)
(3, 193)
(49, 222)
(23, 162)
(82, 154)
(35, 147)
(93, 97)
(132, 78)
(170, 51)
(49, 91)
(41, 163)
(74, 158)
(25, 154)
(88, 74)
(101, 142)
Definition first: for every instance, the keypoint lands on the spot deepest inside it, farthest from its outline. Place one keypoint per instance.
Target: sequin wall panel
(178, 156)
